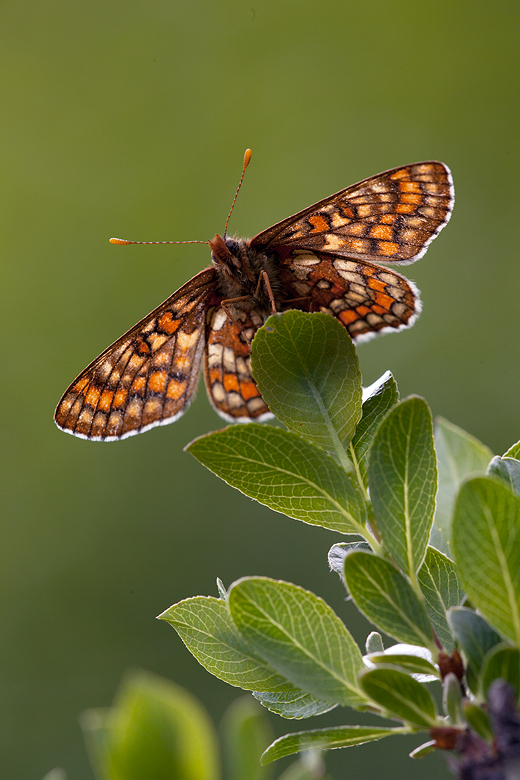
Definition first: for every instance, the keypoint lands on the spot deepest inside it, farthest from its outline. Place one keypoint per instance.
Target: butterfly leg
(264, 277)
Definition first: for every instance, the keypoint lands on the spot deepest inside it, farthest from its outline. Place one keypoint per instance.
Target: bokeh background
(130, 118)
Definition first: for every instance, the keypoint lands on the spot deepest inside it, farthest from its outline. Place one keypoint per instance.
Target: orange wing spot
(167, 323)
(319, 223)
(249, 390)
(142, 347)
(388, 219)
(76, 409)
(404, 208)
(360, 246)
(411, 198)
(379, 309)
(175, 389)
(81, 384)
(388, 248)
(98, 424)
(347, 211)
(410, 186)
(120, 397)
(382, 231)
(376, 284)
(139, 384)
(105, 402)
(183, 363)
(385, 301)
(152, 410)
(114, 424)
(92, 396)
(356, 229)
(214, 375)
(347, 316)
(231, 383)
(157, 381)
(64, 407)
(402, 173)
(363, 311)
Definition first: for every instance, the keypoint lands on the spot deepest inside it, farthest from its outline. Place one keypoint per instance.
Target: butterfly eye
(232, 245)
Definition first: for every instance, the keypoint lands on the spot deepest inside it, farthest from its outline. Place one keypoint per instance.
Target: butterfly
(324, 258)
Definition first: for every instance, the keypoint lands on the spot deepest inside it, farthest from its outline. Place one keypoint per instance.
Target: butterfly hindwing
(229, 381)
(364, 297)
(391, 217)
(148, 376)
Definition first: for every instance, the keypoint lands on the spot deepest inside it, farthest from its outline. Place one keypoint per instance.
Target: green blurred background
(130, 118)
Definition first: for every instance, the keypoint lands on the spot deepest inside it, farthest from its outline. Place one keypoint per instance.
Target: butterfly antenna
(126, 241)
(247, 160)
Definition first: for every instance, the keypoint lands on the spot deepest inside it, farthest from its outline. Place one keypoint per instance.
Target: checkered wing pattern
(229, 382)
(365, 298)
(391, 217)
(148, 376)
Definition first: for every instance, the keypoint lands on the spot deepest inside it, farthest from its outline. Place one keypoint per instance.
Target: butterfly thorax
(239, 268)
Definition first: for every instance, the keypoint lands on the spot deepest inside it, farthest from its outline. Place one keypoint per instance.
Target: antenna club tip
(247, 157)
(119, 241)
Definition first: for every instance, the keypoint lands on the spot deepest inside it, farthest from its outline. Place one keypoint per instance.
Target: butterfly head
(230, 259)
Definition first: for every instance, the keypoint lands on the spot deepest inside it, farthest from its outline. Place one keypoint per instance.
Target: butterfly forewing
(391, 217)
(229, 381)
(148, 376)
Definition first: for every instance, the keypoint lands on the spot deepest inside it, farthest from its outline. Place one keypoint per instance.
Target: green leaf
(402, 476)
(486, 547)
(477, 720)
(387, 599)
(155, 729)
(326, 739)
(507, 470)
(95, 725)
(475, 638)
(295, 705)
(401, 696)
(513, 451)
(424, 750)
(452, 698)
(245, 733)
(459, 455)
(501, 662)
(55, 774)
(308, 766)
(298, 634)
(222, 592)
(337, 554)
(284, 472)
(205, 626)
(441, 588)
(382, 395)
(374, 643)
(307, 370)
(406, 662)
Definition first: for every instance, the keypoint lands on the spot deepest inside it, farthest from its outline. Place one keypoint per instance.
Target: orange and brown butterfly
(325, 258)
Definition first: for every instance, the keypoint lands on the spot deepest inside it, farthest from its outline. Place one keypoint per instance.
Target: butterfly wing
(391, 217)
(229, 381)
(367, 299)
(148, 376)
